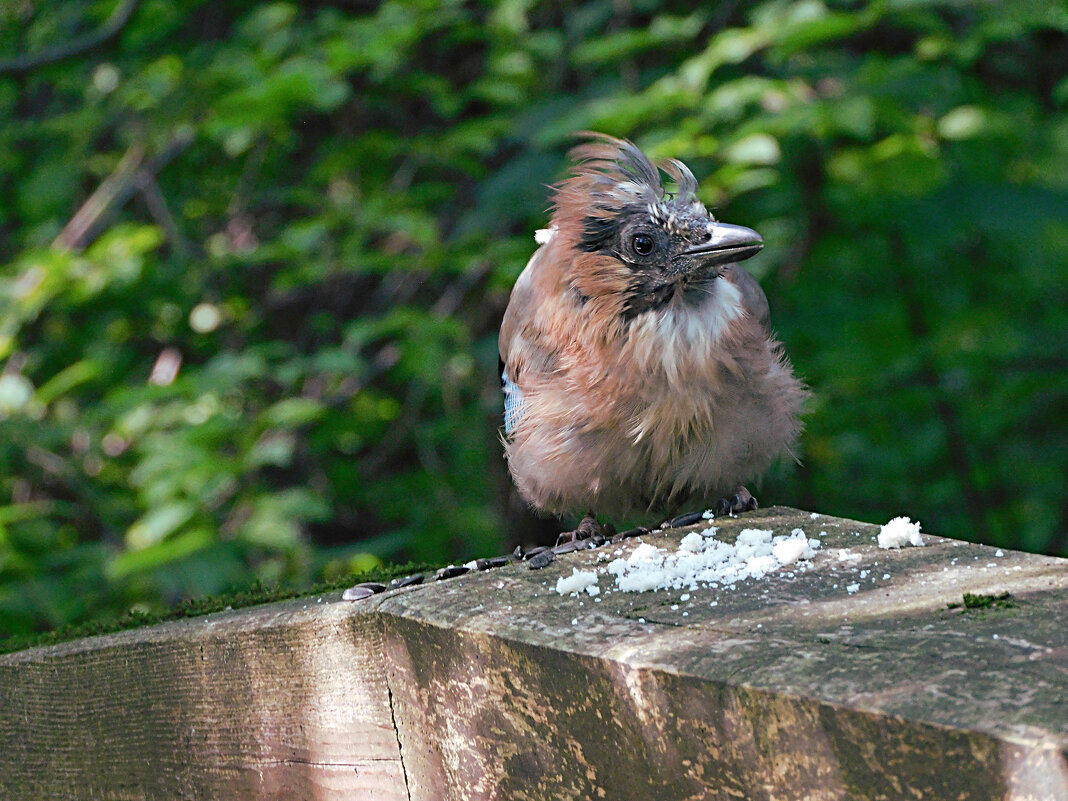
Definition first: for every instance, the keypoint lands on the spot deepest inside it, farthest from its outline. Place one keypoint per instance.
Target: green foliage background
(329, 205)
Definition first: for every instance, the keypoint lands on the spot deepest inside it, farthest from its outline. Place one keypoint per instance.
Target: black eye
(642, 244)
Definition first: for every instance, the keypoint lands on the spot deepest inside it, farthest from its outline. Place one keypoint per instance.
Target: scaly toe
(740, 501)
(588, 529)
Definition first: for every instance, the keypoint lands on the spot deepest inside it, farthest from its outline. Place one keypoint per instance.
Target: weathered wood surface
(492, 685)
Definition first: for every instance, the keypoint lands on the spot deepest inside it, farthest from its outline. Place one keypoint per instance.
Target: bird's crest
(612, 177)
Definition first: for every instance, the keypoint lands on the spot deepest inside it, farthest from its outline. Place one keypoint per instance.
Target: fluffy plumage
(639, 369)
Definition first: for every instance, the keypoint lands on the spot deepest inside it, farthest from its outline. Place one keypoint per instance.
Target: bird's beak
(728, 243)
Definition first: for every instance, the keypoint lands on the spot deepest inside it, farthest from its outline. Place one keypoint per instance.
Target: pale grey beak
(727, 243)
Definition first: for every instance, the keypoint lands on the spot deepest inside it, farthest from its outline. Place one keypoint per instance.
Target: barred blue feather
(513, 403)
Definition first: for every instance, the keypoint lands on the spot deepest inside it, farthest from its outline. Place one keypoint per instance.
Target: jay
(639, 369)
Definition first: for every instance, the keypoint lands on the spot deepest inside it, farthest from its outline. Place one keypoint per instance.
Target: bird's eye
(642, 244)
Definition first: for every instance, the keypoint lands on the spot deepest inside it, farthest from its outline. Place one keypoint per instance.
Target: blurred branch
(722, 17)
(63, 480)
(956, 442)
(114, 190)
(457, 291)
(814, 211)
(1058, 546)
(161, 212)
(401, 432)
(27, 62)
(249, 175)
(131, 175)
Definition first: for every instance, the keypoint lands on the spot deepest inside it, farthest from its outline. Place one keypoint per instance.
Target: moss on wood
(197, 607)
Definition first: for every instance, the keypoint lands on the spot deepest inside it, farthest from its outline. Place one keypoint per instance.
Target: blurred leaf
(322, 270)
(68, 379)
(158, 554)
(613, 48)
(158, 523)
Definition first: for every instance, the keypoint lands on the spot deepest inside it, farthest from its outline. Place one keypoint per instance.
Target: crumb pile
(899, 532)
(701, 559)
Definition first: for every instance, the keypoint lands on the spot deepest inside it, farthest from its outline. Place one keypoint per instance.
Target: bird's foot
(589, 533)
(740, 501)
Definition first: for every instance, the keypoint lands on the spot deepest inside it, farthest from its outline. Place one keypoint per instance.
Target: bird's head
(634, 240)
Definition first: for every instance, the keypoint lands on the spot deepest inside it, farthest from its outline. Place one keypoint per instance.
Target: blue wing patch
(513, 403)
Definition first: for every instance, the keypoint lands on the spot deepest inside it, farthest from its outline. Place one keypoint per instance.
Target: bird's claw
(588, 529)
(740, 501)
(589, 534)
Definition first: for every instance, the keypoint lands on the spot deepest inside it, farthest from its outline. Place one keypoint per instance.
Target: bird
(638, 365)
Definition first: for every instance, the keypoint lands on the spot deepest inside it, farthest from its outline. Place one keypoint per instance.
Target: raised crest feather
(615, 173)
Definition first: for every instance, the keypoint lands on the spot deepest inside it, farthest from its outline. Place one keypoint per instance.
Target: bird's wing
(513, 402)
(521, 346)
(518, 314)
(754, 301)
